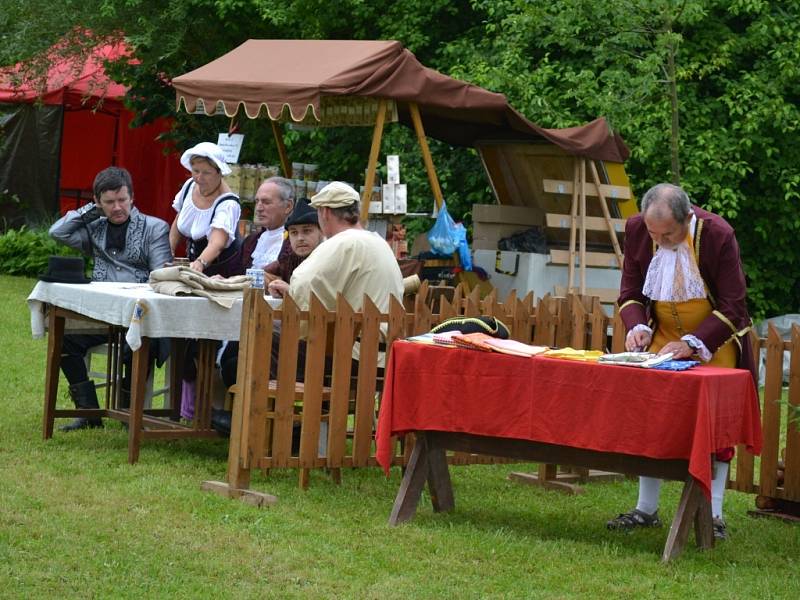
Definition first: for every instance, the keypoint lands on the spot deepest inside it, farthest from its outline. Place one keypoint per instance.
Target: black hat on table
(65, 269)
(303, 214)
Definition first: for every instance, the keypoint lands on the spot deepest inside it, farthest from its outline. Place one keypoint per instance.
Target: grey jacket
(146, 244)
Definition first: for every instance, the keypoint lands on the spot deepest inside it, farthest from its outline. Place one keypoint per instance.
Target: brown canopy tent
(336, 82)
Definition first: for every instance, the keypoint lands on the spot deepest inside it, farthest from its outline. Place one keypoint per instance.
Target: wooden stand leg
(55, 338)
(693, 509)
(405, 504)
(377, 134)
(138, 382)
(439, 483)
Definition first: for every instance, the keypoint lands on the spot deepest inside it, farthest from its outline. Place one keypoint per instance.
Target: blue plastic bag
(443, 236)
(464, 255)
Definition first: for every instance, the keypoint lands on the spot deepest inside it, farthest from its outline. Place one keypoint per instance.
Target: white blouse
(196, 223)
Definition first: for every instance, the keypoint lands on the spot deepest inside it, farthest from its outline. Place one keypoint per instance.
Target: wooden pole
(377, 133)
(573, 223)
(606, 215)
(286, 166)
(583, 226)
(426, 153)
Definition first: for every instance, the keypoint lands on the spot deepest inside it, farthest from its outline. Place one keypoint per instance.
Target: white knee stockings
(650, 490)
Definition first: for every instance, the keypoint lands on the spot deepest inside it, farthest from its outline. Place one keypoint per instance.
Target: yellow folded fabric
(572, 354)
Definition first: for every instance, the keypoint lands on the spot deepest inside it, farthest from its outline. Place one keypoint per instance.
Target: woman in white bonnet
(208, 212)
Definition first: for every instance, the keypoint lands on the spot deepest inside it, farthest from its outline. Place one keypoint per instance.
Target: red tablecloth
(643, 412)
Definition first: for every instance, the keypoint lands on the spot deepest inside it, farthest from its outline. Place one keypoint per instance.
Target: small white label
(231, 145)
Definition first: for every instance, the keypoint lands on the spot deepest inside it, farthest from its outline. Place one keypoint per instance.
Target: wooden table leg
(177, 351)
(138, 383)
(439, 483)
(405, 504)
(693, 509)
(55, 338)
(428, 462)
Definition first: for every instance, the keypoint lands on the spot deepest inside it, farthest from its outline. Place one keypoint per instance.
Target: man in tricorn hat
(125, 245)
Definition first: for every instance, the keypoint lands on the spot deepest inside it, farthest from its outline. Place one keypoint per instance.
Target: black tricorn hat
(303, 214)
(488, 325)
(64, 269)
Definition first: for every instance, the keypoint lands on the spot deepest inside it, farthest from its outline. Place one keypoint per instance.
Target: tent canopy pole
(377, 134)
(286, 166)
(426, 153)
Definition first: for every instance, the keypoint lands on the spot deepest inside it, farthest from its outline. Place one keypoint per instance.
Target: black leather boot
(84, 395)
(221, 421)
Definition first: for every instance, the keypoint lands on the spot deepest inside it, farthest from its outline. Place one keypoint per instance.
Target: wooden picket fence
(775, 477)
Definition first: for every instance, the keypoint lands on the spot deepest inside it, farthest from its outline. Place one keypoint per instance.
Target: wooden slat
(606, 295)
(287, 373)
(771, 415)
(545, 328)
(618, 332)
(343, 338)
(559, 221)
(365, 394)
(593, 259)
(791, 485)
(316, 343)
(614, 192)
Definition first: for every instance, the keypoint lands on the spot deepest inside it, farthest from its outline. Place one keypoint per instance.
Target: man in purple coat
(683, 291)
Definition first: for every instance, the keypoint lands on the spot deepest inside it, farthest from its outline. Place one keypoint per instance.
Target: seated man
(273, 204)
(351, 261)
(304, 236)
(125, 245)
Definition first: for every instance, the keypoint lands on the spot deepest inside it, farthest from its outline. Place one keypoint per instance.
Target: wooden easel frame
(578, 215)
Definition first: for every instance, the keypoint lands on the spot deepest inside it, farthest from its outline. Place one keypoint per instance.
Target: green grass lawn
(76, 521)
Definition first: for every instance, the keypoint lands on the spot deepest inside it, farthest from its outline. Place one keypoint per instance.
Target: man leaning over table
(683, 291)
(125, 245)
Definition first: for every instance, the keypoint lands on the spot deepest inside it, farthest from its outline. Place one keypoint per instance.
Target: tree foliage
(704, 91)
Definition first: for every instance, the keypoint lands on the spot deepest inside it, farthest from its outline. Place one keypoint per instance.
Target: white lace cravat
(673, 275)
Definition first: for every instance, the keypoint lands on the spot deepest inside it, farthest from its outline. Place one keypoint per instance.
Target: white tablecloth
(137, 307)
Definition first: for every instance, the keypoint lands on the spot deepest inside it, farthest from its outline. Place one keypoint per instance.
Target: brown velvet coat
(717, 253)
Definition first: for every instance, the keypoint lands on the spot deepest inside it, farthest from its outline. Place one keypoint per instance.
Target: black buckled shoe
(720, 529)
(631, 520)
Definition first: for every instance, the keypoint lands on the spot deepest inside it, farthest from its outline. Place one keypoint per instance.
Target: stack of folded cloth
(183, 281)
(572, 354)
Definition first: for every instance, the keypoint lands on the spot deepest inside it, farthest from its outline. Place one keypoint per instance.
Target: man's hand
(637, 341)
(277, 288)
(679, 349)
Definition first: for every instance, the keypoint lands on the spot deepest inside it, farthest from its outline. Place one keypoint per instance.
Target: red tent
(54, 140)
